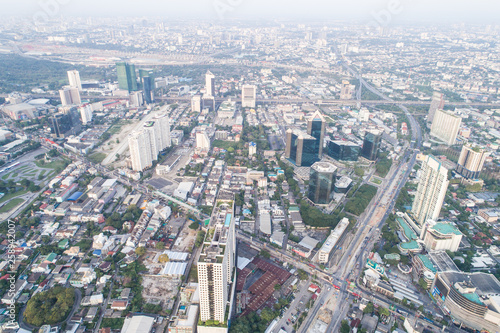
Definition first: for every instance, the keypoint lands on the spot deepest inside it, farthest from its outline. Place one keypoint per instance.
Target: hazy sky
(400, 11)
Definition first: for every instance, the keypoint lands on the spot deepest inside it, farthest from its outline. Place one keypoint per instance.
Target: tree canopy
(49, 307)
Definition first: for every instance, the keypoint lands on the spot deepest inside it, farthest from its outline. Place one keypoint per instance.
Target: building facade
(74, 79)
(437, 103)
(371, 145)
(321, 182)
(471, 161)
(127, 79)
(248, 96)
(301, 148)
(209, 84)
(343, 150)
(316, 128)
(431, 190)
(445, 126)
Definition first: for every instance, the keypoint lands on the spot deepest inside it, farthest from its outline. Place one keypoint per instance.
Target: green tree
(160, 246)
(265, 254)
(140, 251)
(344, 327)
(369, 308)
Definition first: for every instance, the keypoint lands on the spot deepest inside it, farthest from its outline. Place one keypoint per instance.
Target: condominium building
(445, 126)
(70, 96)
(149, 142)
(432, 186)
(74, 79)
(216, 275)
(202, 141)
(248, 96)
(346, 90)
(209, 84)
(140, 150)
(196, 103)
(85, 113)
(471, 161)
(437, 103)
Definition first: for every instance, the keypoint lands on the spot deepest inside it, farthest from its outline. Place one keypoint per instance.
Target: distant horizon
(387, 12)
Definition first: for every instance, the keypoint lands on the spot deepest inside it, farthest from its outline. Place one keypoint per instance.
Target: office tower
(321, 182)
(301, 148)
(471, 161)
(215, 268)
(346, 90)
(70, 96)
(127, 79)
(147, 79)
(60, 124)
(202, 141)
(252, 149)
(196, 103)
(371, 145)
(74, 80)
(140, 150)
(432, 186)
(248, 96)
(445, 126)
(437, 103)
(316, 128)
(343, 150)
(209, 84)
(208, 102)
(85, 113)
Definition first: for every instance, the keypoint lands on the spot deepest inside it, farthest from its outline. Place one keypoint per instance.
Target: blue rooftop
(75, 196)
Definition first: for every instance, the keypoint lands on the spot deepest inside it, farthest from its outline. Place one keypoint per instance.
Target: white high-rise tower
(140, 150)
(74, 79)
(431, 191)
(209, 84)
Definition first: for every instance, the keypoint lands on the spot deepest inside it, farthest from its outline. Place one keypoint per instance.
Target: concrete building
(432, 186)
(140, 150)
(445, 126)
(346, 90)
(216, 276)
(196, 103)
(70, 96)
(321, 182)
(437, 103)
(252, 149)
(202, 141)
(85, 113)
(127, 78)
(325, 252)
(209, 84)
(471, 161)
(74, 79)
(226, 110)
(138, 324)
(248, 96)
(440, 236)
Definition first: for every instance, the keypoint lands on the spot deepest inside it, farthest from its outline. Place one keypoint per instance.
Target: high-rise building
(248, 96)
(346, 90)
(343, 150)
(136, 98)
(209, 84)
(431, 190)
(216, 275)
(437, 103)
(325, 252)
(85, 113)
(321, 182)
(196, 103)
(202, 141)
(471, 161)
(301, 148)
(149, 142)
(316, 128)
(127, 79)
(74, 79)
(445, 126)
(62, 125)
(140, 150)
(371, 145)
(147, 79)
(70, 96)
(252, 148)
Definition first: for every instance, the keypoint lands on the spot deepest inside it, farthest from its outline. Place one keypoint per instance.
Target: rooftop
(446, 229)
